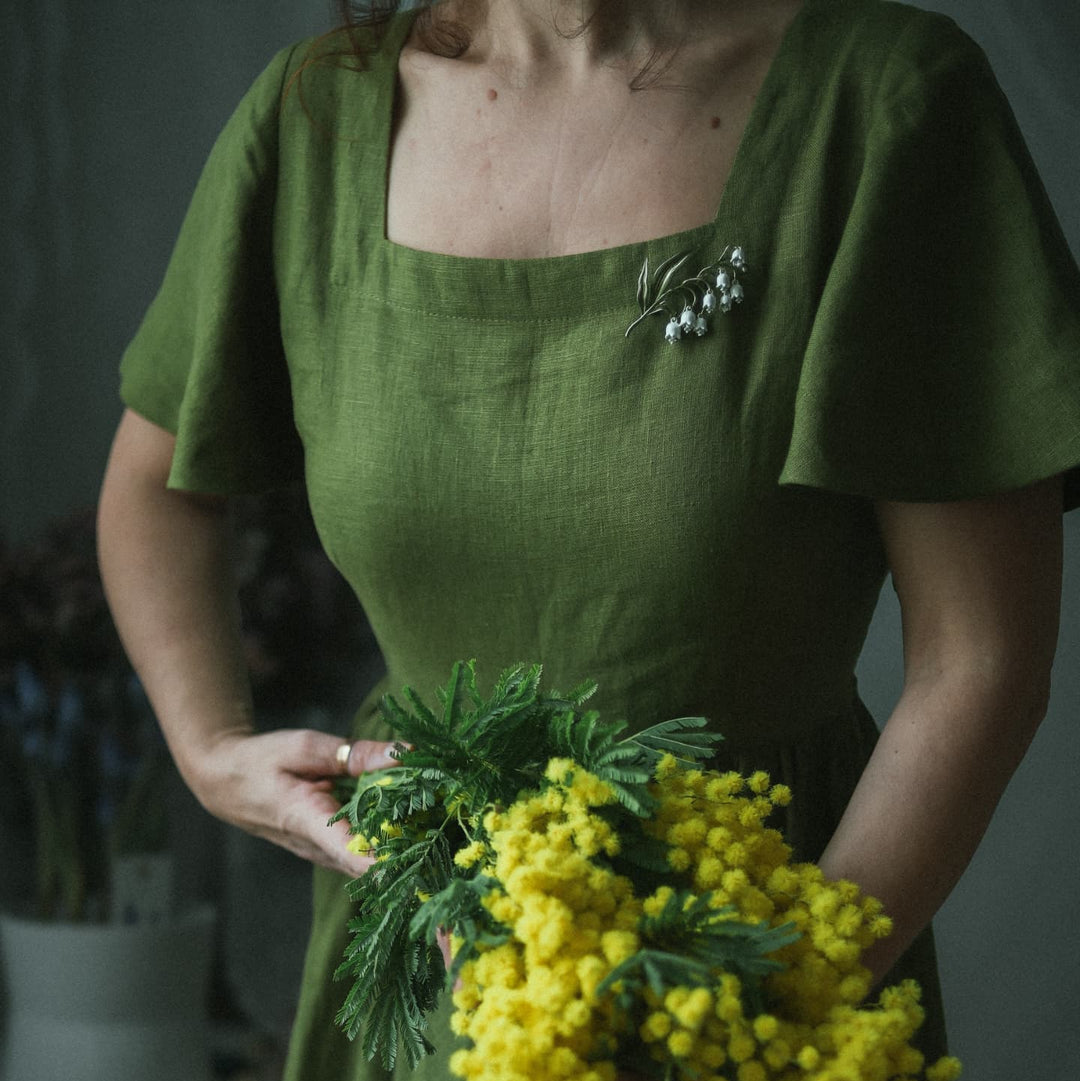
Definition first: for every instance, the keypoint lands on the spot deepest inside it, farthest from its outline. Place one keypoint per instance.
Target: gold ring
(341, 755)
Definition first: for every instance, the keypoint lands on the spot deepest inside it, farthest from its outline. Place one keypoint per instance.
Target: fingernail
(385, 758)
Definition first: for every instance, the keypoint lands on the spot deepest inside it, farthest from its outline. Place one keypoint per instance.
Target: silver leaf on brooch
(691, 302)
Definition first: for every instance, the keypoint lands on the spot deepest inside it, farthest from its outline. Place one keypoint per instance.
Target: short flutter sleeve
(207, 362)
(944, 359)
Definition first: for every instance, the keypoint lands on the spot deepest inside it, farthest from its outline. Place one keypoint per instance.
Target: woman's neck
(535, 37)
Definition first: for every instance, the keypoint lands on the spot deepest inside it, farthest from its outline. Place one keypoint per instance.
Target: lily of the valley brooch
(690, 303)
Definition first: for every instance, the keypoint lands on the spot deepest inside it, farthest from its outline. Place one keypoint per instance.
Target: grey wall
(1010, 958)
(106, 113)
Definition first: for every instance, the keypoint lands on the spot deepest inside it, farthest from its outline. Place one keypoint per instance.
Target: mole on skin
(714, 123)
(492, 94)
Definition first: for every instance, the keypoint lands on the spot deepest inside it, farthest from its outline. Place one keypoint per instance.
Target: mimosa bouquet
(613, 907)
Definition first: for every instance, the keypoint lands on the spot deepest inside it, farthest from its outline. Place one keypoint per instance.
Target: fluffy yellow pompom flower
(693, 1008)
(470, 854)
(532, 1007)
(752, 1071)
(654, 904)
(558, 769)
(945, 1069)
(619, 945)
(765, 1027)
(680, 1043)
(666, 767)
(759, 782)
(656, 1026)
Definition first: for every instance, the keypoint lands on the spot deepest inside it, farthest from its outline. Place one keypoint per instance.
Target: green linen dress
(501, 474)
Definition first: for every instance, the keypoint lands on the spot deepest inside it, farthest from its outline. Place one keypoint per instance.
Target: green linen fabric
(500, 473)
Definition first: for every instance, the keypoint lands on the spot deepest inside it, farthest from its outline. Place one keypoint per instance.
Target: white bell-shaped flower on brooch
(688, 302)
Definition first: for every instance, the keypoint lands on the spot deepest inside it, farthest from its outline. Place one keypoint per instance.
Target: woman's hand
(167, 571)
(442, 938)
(279, 786)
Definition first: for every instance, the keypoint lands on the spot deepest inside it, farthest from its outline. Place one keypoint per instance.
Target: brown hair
(439, 32)
(362, 24)
(446, 29)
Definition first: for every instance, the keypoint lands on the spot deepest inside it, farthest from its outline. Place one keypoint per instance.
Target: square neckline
(757, 124)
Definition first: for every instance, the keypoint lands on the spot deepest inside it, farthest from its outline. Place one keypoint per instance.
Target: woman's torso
(501, 473)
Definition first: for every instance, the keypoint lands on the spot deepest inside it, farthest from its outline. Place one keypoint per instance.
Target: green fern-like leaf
(460, 906)
(454, 762)
(395, 979)
(682, 737)
(691, 943)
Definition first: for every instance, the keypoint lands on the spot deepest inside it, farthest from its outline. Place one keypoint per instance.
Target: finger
(353, 864)
(442, 938)
(332, 842)
(315, 754)
(311, 754)
(343, 862)
(366, 755)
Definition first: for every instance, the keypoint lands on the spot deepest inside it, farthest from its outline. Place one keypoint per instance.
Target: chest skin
(493, 160)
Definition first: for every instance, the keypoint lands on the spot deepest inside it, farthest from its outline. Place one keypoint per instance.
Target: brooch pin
(690, 303)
